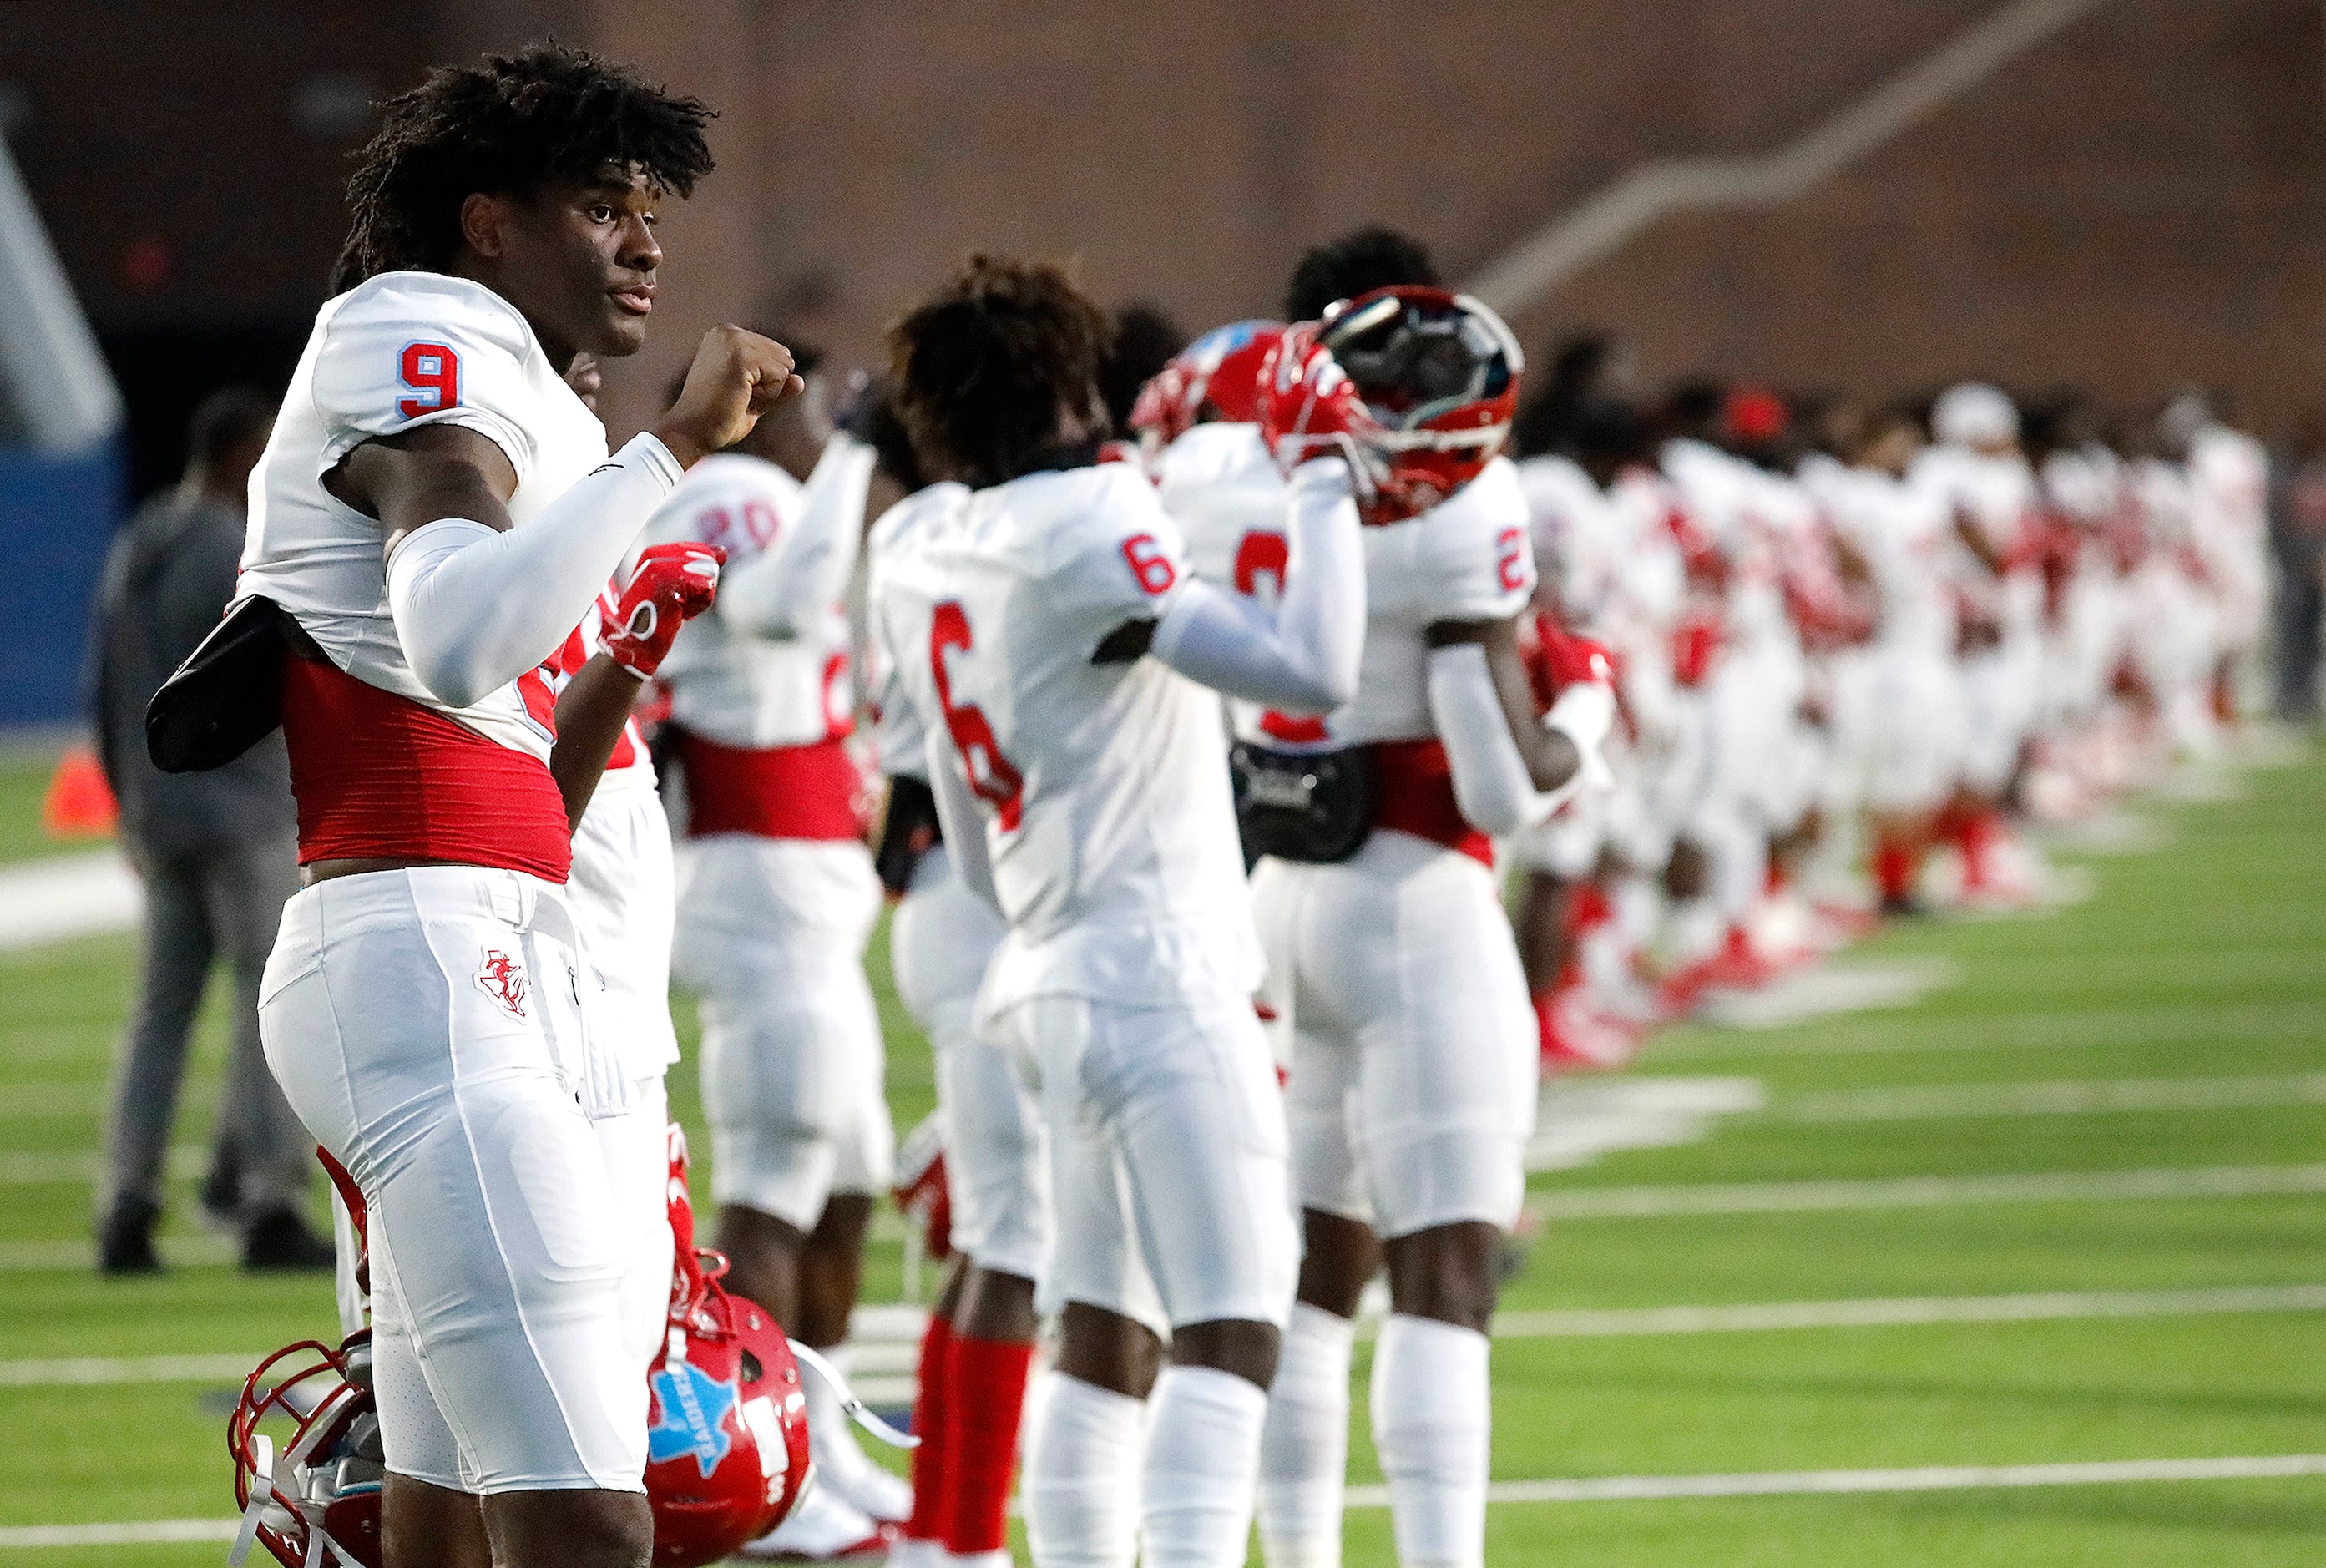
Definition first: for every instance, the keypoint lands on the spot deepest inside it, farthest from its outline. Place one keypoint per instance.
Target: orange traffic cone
(79, 803)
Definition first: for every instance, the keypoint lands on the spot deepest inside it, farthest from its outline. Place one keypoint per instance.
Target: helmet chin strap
(849, 1403)
(262, 1492)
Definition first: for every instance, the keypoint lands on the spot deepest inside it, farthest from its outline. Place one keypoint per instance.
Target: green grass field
(2202, 964)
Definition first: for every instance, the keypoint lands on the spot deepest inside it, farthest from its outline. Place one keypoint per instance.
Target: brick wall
(2134, 202)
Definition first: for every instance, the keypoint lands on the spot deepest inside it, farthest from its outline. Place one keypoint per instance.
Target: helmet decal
(692, 1411)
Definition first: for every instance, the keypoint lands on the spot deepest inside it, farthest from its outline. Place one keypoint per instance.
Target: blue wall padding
(57, 518)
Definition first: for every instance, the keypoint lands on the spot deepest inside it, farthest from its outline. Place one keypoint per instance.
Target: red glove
(1308, 408)
(921, 1189)
(673, 584)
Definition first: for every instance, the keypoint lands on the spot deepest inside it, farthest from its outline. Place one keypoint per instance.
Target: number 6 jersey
(1102, 787)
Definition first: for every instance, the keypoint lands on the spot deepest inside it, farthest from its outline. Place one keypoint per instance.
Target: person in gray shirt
(218, 853)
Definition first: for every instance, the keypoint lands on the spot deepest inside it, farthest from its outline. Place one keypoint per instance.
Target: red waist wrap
(812, 791)
(379, 777)
(1413, 792)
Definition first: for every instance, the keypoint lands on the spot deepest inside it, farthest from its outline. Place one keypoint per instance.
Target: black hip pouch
(1311, 806)
(228, 696)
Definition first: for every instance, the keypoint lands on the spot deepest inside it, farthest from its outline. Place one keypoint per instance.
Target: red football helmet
(1439, 372)
(314, 1503)
(727, 1439)
(1219, 370)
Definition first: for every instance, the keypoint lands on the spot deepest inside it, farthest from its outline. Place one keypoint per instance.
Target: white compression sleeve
(1303, 659)
(782, 594)
(475, 609)
(1491, 783)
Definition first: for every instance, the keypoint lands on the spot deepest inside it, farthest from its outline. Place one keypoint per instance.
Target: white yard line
(1927, 1192)
(78, 1252)
(1591, 1490)
(64, 1167)
(97, 1371)
(2016, 1031)
(67, 896)
(1934, 1479)
(2050, 1100)
(1894, 1311)
(881, 1366)
(146, 1533)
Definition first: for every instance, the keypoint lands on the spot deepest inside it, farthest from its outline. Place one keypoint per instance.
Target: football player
(1977, 471)
(1048, 634)
(978, 1349)
(776, 900)
(1392, 968)
(425, 1008)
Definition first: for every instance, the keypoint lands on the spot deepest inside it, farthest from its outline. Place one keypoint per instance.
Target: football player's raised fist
(737, 376)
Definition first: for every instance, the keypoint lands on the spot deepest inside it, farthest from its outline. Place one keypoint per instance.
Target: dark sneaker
(124, 1241)
(221, 1196)
(279, 1240)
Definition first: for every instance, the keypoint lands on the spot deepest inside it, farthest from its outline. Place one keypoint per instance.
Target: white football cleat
(822, 1527)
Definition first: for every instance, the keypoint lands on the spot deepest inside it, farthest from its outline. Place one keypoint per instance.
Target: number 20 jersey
(1102, 787)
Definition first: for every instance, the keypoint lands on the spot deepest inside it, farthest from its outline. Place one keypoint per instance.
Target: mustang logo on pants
(503, 979)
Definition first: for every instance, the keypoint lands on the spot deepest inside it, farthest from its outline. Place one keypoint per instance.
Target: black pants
(2300, 602)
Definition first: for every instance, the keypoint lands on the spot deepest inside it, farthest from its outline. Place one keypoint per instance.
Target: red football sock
(933, 1410)
(1979, 836)
(1894, 870)
(988, 1396)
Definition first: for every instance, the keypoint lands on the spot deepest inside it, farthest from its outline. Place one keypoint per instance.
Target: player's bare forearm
(1973, 539)
(591, 712)
(1551, 758)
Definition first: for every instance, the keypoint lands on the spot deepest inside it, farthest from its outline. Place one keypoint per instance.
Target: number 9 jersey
(1103, 782)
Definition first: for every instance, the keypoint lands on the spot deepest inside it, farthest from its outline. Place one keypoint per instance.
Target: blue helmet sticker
(691, 1407)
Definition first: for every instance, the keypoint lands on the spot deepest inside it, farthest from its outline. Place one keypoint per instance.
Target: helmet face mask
(1439, 372)
(313, 1502)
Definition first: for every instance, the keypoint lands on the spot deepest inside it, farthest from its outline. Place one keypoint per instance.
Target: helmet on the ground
(1218, 372)
(1439, 372)
(313, 1501)
(727, 1435)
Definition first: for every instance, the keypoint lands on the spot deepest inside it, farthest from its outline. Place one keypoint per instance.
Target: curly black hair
(1145, 340)
(508, 125)
(985, 365)
(1358, 262)
(879, 425)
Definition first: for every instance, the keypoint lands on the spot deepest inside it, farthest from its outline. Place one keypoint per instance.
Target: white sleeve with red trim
(414, 348)
(1475, 556)
(1113, 554)
(1303, 659)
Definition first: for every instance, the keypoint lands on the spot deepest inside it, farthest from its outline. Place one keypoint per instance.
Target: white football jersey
(1579, 536)
(745, 690)
(1467, 558)
(1906, 532)
(1103, 788)
(399, 351)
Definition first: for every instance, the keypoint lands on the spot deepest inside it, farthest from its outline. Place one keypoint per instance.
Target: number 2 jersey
(381, 767)
(1468, 558)
(1101, 786)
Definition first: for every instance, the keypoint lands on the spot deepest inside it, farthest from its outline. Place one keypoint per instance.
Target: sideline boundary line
(1587, 1489)
(1705, 1198)
(1931, 1478)
(886, 1362)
